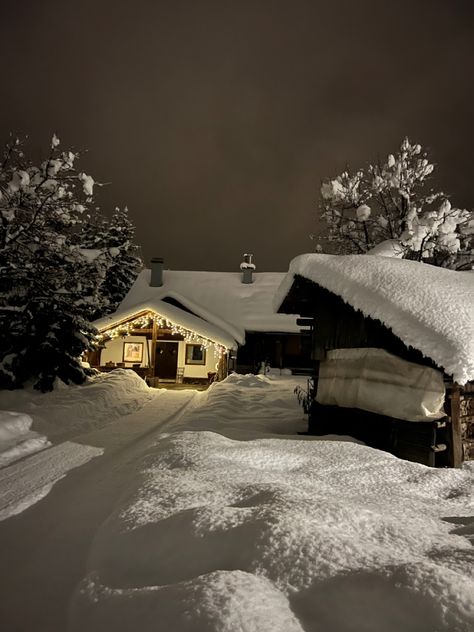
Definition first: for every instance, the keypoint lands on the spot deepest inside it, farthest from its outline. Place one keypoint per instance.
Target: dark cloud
(216, 121)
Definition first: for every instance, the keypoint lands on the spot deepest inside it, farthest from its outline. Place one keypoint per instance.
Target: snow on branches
(391, 201)
(54, 269)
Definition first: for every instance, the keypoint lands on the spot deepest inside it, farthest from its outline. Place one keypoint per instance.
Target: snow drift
(16, 437)
(71, 409)
(280, 534)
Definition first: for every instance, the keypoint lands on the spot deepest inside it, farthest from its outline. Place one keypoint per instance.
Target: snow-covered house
(187, 325)
(393, 344)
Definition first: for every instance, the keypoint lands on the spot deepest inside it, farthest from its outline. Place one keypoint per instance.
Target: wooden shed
(393, 353)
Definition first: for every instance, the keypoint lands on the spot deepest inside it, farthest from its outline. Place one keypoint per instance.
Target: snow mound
(427, 307)
(71, 409)
(249, 380)
(16, 438)
(13, 425)
(230, 601)
(344, 536)
(246, 406)
(388, 248)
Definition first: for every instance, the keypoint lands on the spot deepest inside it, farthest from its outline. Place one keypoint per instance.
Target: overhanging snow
(427, 307)
(173, 314)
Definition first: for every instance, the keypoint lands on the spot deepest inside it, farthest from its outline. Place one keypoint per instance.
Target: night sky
(216, 121)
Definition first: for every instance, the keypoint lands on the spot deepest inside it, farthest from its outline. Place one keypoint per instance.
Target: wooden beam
(456, 430)
(153, 347)
(221, 367)
(305, 322)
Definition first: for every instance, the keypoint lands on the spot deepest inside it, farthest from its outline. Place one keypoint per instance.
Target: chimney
(247, 268)
(156, 272)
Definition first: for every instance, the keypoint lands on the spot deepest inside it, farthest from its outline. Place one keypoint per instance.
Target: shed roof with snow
(216, 305)
(428, 308)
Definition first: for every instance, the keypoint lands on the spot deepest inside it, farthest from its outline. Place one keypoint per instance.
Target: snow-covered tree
(392, 201)
(113, 239)
(51, 277)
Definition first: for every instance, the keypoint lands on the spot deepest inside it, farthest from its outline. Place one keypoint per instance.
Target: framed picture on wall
(133, 352)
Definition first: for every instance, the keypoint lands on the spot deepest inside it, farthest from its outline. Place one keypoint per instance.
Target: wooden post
(154, 336)
(314, 409)
(456, 431)
(221, 367)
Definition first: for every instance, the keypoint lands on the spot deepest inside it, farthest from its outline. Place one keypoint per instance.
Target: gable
(220, 298)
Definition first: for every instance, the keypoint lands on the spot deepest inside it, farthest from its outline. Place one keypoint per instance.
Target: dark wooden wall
(337, 325)
(280, 350)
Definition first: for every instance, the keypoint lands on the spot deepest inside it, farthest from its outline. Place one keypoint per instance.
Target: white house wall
(113, 352)
(196, 370)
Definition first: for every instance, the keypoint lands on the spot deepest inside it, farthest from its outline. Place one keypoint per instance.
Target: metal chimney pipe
(247, 268)
(156, 279)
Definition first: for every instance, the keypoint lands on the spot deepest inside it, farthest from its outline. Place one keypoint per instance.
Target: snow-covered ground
(61, 414)
(235, 523)
(209, 513)
(26, 483)
(16, 437)
(69, 410)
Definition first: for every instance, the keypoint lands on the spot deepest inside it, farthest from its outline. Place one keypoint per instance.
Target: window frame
(194, 362)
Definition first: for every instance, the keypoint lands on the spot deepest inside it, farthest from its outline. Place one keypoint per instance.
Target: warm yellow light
(143, 321)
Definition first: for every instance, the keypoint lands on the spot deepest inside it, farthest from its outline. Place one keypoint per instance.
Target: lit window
(195, 354)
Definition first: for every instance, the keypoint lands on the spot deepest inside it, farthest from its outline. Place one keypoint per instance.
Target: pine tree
(51, 279)
(114, 238)
(391, 201)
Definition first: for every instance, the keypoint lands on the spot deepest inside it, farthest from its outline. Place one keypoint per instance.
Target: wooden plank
(456, 456)
(305, 322)
(222, 367)
(153, 348)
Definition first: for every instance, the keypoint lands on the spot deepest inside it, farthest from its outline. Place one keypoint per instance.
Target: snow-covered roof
(428, 308)
(174, 315)
(223, 307)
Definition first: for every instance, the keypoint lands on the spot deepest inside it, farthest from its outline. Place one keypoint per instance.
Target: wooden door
(166, 360)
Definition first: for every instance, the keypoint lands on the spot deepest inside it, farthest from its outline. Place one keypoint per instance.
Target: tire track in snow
(45, 548)
(25, 482)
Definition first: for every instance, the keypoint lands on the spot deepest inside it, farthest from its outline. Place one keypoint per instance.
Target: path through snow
(234, 526)
(207, 513)
(45, 548)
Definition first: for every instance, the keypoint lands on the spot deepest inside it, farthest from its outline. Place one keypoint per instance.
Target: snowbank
(238, 407)
(71, 409)
(16, 437)
(24, 484)
(225, 601)
(388, 248)
(428, 308)
(280, 534)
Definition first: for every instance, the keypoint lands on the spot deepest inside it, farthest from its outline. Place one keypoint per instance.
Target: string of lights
(146, 321)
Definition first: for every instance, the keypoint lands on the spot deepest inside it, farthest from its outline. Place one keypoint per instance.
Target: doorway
(166, 360)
